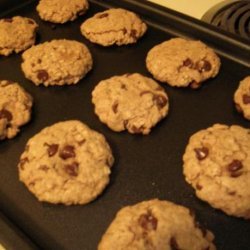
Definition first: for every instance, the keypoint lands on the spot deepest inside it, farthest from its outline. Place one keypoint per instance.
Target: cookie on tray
(180, 62)
(130, 102)
(61, 11)
(114, 26)
(15, 108)
(66, 163)
(16, 34)
(217, 165)
(58, 62)
(242, 97)
(156, 225)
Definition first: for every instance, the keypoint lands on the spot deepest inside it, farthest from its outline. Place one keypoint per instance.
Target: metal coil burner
(231, 16)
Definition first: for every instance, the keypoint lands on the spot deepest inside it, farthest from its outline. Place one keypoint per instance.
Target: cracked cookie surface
(114, 26)
(16, 34)
(66, 163)
(130, 102)
(181, 63)
(242, 97)
(15, 108)
(217, 165)
(156, 225)
(58, 62)
(61, 11)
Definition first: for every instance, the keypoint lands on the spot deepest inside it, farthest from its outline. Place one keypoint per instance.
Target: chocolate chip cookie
(181, 63)
(130, 102)
(217, 165)
(242, 97)
(61, 11)
(16, 34)
(66, 163)
(58, 62)
(15, 108)
(114, 26)
(156, 225)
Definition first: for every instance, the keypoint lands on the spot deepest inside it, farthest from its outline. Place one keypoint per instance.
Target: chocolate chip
(123, 86)
(201, 153)
(194, 84)
(22, 162)
(234, 168)
(160, 101)
(115, 107)
(52, 149)
(188, 63)
(42, 75)
(8, 20)
(137, 130)
(67, 152)
(246, 99)
(203, 66)
(72, 169)
(5, 114)
(173, 244)
(133, 33)
(198, 186)
(103, 15)
(148, 221)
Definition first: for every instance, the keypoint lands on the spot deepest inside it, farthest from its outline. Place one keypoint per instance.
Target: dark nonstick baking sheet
(145, 166)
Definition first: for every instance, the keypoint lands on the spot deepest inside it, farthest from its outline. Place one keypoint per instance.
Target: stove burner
(231, 16)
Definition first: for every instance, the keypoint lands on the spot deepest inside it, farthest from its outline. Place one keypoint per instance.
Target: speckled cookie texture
(130, 102)
(156, 225)
(61, 11)
(66, 163)
(58, 62)
(217, 165)
(114, 26)
(242, 97)
(16, 34)
(181, 62)
(15, 108)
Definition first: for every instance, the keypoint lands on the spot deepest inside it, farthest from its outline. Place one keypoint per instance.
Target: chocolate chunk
(188, 63)
(203, 66)
(103, 15)
(72, 169)
(246, 99)
(201, 153)
(137, 130)
(148, 221)
(198, 186)
(194, 84)
(42, 75)
(67, 152)
(8, 20)
(234, 168)
(115, 107)
(160, 101)
(5, 114)
(133, 33)
(22, 162)
(52, 149)
(173, 244)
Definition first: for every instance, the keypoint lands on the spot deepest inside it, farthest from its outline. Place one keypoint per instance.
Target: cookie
(156, 225)
(16, 34)
(217, 165)
(242, 97)
(66, 163)
(181, 63)
(114, 26)
(58, 62)
(130, 102)
(61, 11)
(15, 108)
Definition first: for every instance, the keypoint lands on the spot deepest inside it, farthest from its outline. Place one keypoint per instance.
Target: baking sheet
(145, 166)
